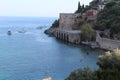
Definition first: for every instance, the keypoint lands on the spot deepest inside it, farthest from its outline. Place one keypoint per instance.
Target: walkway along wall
(106, 43)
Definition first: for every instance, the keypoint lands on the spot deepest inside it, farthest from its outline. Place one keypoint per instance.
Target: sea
(34, 55)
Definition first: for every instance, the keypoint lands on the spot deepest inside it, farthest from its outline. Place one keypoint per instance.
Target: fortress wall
(108, 44)
(67, 20)
(68, 36)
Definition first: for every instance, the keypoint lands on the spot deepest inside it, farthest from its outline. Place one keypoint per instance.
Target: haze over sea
(34, 55)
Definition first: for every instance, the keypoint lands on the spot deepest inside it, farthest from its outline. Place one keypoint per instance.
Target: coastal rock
(49, 32)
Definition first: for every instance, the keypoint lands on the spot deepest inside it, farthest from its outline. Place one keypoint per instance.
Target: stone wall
(107, 44)
(67, 20)
(67, 25)
(68, 36)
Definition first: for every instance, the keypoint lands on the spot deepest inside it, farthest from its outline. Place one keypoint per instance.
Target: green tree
(109, 18)
(83, 7)
(79, 10)
(111, 60)
(81, 74)
(87, 32)
(55, 24)
(107, 74)
(109, 64)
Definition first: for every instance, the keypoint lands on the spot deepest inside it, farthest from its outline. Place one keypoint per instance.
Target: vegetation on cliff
(109, 18)
(82, 8)
(94, 3)
(81, 74)
(55, 24)
(111, 60)
(87, 32)
(51, 29)
(109, 64)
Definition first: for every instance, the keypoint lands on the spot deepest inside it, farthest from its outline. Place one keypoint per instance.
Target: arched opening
(67, 38)
(59, 35)
(64, 37)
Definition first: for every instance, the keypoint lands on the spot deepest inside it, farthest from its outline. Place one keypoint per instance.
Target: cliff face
(49, 32)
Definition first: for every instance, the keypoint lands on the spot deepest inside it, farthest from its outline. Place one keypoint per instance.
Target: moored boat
(22, 31)
(9, 33)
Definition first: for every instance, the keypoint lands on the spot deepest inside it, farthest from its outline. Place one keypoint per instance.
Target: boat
(9, 33)
(22, 31)
(39, 27)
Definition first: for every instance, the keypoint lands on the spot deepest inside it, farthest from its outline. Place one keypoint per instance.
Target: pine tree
(79, 8)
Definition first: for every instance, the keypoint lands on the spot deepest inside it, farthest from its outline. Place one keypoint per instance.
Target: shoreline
(50, 32)
(100, 43)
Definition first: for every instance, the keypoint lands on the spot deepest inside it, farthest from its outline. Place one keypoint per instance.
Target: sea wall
(72, 36)
(106, 43)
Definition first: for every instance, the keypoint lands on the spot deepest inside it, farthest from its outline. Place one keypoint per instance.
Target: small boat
(39, 27)
(22, 31)
(9, 33)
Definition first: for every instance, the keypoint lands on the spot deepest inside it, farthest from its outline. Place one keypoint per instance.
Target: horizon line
(33, 16)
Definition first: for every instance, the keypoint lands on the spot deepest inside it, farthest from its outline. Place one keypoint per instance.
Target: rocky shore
(49, 31)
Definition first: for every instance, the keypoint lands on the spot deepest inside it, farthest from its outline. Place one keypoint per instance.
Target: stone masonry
(65, 31)
(68, 35)
(106, 43)
(68, 21)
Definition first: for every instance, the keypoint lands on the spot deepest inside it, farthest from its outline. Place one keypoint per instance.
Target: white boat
(22, 31)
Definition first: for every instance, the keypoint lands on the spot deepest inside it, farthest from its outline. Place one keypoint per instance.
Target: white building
(101, 5)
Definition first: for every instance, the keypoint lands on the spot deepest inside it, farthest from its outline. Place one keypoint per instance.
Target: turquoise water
(34, 55)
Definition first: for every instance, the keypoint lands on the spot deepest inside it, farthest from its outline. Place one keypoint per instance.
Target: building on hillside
(91, 14)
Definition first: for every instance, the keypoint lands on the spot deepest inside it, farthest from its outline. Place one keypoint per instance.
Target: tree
(83, 7)
(87, 32)
(110, 4)
(109, 18)
(81, 74)
(79, 8)
(55, 24)
(109, 64)
(111, 60)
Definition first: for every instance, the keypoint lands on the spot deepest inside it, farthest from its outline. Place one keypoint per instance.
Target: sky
(41, 8)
